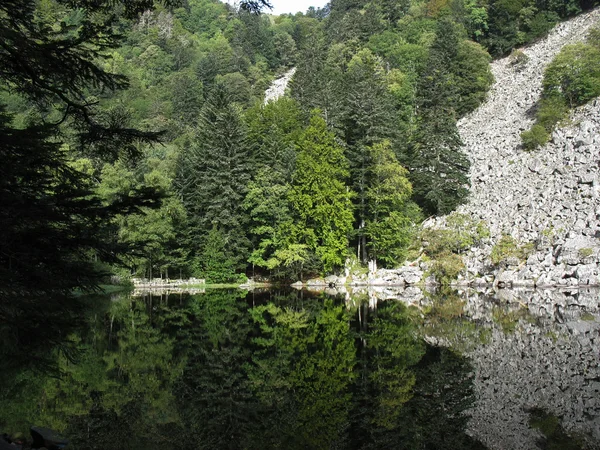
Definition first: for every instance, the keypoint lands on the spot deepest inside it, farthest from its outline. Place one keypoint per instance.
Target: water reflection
(358, 370)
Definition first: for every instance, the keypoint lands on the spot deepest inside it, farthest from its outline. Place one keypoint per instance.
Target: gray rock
(548, 197)
(587, 274)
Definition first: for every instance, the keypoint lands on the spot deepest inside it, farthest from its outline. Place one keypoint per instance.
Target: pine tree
(438, 166)
(213, 174)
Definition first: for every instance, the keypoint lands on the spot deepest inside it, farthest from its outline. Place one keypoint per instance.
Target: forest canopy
(135, 139)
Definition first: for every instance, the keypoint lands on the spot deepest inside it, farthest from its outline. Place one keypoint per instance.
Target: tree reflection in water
(224, 370)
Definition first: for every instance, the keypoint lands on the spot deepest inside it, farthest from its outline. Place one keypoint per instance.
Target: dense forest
(135, 139)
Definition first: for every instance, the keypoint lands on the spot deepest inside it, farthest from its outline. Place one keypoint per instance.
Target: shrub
(446, 267)
(507, 248)
(445, 245)
(593, 37)
(574, 74)
(504, 249)
(534, 138)
(518, 58)
(462, 232)
(571, 79)
(553, 109)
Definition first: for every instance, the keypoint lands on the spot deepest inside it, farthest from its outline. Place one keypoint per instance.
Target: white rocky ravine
(549, 196)
(278, 87)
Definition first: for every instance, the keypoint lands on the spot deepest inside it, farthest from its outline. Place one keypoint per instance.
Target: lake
(281, 369)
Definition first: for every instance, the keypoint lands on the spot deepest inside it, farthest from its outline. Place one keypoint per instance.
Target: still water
(304, 370)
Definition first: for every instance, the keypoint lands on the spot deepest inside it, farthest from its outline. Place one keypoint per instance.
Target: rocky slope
(548, 197)
(278, 87)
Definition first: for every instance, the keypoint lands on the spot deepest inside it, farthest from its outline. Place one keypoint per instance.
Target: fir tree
(213, 175)
(438, 166)
(367, 116)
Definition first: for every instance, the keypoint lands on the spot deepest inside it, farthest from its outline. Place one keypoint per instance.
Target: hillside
(546, 198)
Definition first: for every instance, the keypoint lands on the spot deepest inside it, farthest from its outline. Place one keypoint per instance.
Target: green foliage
(534, 138)
(511, 23)
(319, 197)
(447, 267)
(507, 249)
(438, 166)
(570, 80)
(552, 110)
(212, 177)
(217, 264)
(472, 76)
(574, 74)
(389, 225)
(385, 74)
(274, 130)
(461, 233)
(518, 58)
(445, 245)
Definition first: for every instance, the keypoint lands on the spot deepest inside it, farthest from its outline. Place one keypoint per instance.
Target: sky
(293, 6)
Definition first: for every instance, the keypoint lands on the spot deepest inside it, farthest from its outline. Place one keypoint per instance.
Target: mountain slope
(548, 197)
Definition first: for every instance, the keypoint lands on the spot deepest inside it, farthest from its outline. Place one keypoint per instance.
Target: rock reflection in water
(547, 358)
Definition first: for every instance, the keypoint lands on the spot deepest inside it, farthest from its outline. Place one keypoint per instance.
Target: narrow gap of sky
(292, 6)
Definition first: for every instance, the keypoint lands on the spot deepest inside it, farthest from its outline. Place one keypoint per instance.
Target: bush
(445, 245)
(593, 37)
(507, 248)
(518, 58)
(574, 74)
(534, 138)
(553, 109)
(504, 249)
(571, 79)
(447, 267)
(462, 232)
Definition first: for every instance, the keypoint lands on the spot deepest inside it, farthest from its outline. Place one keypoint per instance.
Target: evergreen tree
(53, 227)
(367, 116)
(438, 166)
(319, 197)
(268, 208)
(213, 174)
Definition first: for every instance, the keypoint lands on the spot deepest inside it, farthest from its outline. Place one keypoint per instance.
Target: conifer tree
(213, 175)
(367, 117)
(438, 166)
(319, 196)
